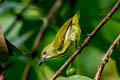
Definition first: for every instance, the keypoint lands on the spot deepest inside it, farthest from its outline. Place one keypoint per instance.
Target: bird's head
(43, 58)
(47, 53)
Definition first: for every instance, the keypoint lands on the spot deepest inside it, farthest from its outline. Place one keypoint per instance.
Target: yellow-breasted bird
(66, 40)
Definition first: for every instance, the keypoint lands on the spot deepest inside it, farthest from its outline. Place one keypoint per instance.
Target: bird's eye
(44, 53)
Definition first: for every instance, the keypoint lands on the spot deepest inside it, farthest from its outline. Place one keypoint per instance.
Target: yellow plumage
(66, 40)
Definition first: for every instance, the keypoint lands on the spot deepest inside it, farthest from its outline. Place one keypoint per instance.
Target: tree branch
(26, 72)
(6, 49)
(3, 47)
(105, 59)
(87, 40)
(36, 45)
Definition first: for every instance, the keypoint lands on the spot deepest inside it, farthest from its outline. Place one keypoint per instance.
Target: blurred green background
(28, 24)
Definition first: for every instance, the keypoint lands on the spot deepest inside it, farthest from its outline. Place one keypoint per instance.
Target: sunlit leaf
(75, 77)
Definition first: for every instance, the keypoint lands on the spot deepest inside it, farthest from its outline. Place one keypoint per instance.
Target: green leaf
(27, 27)
(75, 77)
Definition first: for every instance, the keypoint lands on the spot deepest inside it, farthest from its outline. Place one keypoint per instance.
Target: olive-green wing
(71, 34)
(59, 38)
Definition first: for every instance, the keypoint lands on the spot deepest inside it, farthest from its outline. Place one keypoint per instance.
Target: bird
(65, 42)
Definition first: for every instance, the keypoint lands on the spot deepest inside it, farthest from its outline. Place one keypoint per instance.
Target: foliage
(24, 33)
(75, 77)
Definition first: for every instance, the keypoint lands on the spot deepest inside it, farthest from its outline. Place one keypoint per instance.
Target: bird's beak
(41, 61)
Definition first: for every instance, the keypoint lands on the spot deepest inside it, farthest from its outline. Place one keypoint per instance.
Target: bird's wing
(67, 42)
(72, 35)
(72, 39)
(59, 38)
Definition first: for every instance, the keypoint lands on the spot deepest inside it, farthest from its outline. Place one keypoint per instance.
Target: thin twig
(87, 40)
(26, 71)
(19, 17)
(44, 26)
(105, 59)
